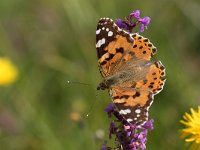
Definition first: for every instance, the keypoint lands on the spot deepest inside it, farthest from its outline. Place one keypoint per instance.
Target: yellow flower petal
(191, 132)
(8, 72)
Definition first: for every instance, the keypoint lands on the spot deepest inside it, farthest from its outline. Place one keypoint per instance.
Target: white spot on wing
(98, 31)
(110, 33)
(103, 41)
(130, 120)
(125, 111)
(137, 111)
(100, 42)
(103, 28)
(147, 114)
(107, 29)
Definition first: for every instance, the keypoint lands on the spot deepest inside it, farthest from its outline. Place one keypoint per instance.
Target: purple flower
(135, 14)
(110, 109)
(144, 23)
(139, 138)
(121, 24)
(145, 20)
(112, 128)
(149, 124)
(129, 24)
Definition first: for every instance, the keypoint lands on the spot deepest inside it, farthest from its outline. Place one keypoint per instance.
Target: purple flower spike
(128, 136)
(135, 14)
(129, 23)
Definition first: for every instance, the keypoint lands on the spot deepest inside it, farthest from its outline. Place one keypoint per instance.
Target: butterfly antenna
(92, 106)
(74, 82)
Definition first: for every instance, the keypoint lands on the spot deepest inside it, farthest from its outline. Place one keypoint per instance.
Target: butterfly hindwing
(154, 80)
(132, 104)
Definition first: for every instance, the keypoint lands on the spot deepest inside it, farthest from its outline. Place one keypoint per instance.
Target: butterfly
(124, 61)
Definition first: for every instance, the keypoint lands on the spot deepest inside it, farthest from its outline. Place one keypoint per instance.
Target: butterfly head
(102, 86)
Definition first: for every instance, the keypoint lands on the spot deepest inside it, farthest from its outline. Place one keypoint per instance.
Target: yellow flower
(191, 132)
(8, 72)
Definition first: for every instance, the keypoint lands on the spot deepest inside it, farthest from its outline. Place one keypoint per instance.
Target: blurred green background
(53, 41)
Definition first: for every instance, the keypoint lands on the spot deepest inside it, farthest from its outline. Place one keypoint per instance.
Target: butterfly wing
(142, 47)
(115, 46)
(132, 104)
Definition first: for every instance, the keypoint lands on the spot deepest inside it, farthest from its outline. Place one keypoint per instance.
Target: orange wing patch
(142, 47)
(113, 54)
(155, 78)
(129, 96)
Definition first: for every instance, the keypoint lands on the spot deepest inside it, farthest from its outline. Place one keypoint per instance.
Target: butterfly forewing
(111, 44)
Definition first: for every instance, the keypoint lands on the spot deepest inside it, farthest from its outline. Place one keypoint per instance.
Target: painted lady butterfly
(130, 76)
